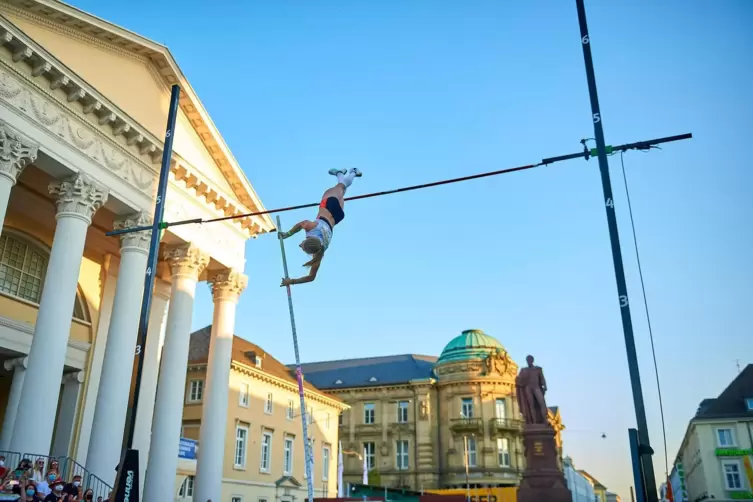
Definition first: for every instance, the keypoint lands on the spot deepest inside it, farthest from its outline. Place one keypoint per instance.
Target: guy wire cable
(648, 317)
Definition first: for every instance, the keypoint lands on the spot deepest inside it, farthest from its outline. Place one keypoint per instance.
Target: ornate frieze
(78, 195)
(16, 152)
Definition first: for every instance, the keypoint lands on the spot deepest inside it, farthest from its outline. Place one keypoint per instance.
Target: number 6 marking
(623, 301)
(585, 39)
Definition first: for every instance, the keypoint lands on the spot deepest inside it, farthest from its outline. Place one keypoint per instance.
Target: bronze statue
(531, 388)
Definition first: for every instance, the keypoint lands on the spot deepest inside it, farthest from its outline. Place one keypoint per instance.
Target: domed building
(419, 419)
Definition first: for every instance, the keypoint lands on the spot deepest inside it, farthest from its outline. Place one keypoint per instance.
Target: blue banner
(187, 449)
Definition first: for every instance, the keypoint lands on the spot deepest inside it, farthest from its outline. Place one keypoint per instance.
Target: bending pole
(640, 145)
(127, 483)
(299, 376)
(619, 270)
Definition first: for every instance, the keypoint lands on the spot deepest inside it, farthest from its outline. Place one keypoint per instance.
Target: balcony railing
(467, 425)
(497, 425)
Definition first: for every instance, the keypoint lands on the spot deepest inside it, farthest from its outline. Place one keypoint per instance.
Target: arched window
(23, 265)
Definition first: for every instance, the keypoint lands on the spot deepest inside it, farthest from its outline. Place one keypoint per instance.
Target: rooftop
(733, 402)
(370, 371)
(470, 344)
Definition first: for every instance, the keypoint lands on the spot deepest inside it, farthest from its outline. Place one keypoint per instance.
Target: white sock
(347, 179)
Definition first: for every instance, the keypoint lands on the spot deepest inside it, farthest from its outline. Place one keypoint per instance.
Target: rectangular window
(499, 408)
(325, 463)
(241, 436)
(236, 499)
(266, 452)
(466, 407)
(243, 395)
(401, 451)
(186, 489)
(196, 391)
(370, 452)
(340, 419)
(725, 437)
(749, 404)
(268, 403)
(258, 361)
(290, 414)
(287, 466)
(732, 479)
(471, 452)
(503, 452)
(369, 414)
(402, 412)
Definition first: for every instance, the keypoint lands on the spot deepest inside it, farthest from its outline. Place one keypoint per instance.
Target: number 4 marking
(610, 203)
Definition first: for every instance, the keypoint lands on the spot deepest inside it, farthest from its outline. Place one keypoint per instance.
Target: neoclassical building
(263, 440)
(83, 109)
(416, 418)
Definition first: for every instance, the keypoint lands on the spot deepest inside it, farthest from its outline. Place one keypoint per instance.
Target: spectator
(38, 473)
(32, 495)
(89, 495)
(44, 485)
(3, 469)
(57, 494)
(74, 487)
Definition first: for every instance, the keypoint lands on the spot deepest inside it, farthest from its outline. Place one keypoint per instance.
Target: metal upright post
(127, 482)
(639, 479)
(299, 375)
(619, 271)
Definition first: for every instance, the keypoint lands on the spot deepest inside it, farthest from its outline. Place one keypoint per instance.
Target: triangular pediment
(288, 481)
(136, 74)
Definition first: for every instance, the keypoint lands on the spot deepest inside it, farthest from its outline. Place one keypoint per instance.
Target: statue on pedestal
(531, 387)
(542, 479)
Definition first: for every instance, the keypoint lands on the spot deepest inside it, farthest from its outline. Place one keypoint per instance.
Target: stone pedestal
(542, 481)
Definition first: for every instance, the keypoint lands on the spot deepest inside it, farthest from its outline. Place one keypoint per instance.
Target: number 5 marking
(623, 301)
(597, 118)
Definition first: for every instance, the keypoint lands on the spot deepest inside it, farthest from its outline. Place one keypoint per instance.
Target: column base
(542, 480)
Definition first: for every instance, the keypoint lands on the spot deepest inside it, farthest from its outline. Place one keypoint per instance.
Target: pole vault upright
(299, 375)
(649, 480)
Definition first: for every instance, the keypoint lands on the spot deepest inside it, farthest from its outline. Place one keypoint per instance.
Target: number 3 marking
(138, 349)
(623, 301)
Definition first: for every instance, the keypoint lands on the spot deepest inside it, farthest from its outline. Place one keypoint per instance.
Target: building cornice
(289, 386)
(77, 23)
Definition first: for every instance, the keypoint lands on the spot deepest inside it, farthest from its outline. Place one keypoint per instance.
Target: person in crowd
(45, 485)
(89, 495)
(38, 473)
(74, 487)
(57, 494)
(3, 469)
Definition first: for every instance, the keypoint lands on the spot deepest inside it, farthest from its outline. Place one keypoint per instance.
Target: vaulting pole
(127, 483)
(645, 450)
(298, 374)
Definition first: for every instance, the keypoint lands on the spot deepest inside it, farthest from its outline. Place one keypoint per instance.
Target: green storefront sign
(741, 495)
(733, 452)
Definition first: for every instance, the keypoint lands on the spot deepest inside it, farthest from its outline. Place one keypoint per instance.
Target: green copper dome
(470, 344)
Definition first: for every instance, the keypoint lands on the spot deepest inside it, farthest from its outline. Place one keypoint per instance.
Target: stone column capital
(19, 362)
(16, 152)
(136, 241)
(227, 284)
(78, 196)
(186, 260)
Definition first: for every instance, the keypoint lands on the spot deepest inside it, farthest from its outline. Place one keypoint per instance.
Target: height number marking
(610, 203)
(623, 301)
(138, 349)
(586, 39)
(597, 118)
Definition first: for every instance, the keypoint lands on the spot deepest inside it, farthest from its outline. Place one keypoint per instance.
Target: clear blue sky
(429, 89)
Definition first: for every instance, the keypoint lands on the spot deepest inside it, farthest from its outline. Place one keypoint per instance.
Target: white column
(66, 423)
(16, 152)
(78, 197)
(186, 264)
(226, 288)
(156, 335)
(18, 367)
(117, 369)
